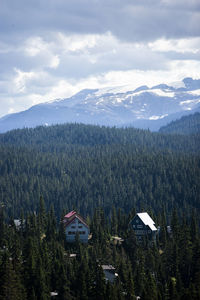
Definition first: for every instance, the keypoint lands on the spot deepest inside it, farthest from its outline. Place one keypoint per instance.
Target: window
(81, 232)
(139, 232)
(73, 226)
(80, 226)
(71, 232)
(139, 226)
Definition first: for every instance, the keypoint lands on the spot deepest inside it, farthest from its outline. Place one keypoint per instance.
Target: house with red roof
(74, 224)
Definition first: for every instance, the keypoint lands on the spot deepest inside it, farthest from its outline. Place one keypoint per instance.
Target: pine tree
(42, 218)
(172, 289)
(100, 284)
(2, 227)
(130, 287)
(10, 285)
(150, 291)
(51, 225)
(175, 225)
(41, 287)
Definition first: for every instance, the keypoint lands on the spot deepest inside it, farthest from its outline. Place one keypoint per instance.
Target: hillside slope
(186, 125)
(84, 166)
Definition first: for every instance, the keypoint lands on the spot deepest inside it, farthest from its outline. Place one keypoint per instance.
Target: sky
(51, 49)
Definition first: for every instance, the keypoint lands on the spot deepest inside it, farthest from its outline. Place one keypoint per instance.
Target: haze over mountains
(143, 107)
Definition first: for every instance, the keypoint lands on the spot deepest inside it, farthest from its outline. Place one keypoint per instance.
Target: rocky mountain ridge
(143, 107)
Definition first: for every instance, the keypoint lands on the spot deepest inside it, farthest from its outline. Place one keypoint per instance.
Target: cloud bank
(52, 49)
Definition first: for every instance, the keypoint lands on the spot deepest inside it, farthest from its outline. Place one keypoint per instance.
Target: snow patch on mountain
(158, 117)
(114, 90)
(195, 92)
(164, 93)
(177, 84)
(142, 107)
(189, 104)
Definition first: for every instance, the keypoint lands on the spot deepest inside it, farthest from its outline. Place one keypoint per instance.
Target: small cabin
(144, 226)
(110, 273)
(75, 225)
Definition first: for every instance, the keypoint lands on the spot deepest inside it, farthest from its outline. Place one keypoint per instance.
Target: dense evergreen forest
(107, 175)
(186, 125)
(82, 167)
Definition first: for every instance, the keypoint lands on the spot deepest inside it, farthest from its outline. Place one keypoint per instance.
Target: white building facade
(75, 225)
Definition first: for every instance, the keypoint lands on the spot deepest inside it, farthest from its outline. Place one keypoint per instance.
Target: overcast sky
(51, 49)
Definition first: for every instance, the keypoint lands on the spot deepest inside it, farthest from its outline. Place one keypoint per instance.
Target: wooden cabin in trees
(75, 225)
(144, 227)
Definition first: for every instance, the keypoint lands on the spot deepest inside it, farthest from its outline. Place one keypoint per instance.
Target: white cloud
(187, 68)
(55, 61)
(42, 51)
(191, 45)
(35, 45)
(54, 49)
(63, 65)
(77, 43)
(11, 110)
(21, 79)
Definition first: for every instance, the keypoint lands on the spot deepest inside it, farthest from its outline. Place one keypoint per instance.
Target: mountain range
(143, 107)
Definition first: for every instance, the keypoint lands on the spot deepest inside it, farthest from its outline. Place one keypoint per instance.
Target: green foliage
(33, 265)
(107, 174)
(88, 166)
(186, 125)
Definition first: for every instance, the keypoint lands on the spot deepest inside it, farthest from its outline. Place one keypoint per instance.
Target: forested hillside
(86, 166)
(56, 138)
(186, 125)
(107, 175)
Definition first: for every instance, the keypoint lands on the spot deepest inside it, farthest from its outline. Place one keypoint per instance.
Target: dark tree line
(186, 125)
(56, 138)
(35, 259)
(86, 166)
(107, 175)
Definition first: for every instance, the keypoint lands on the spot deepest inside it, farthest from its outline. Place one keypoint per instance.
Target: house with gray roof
(110, 273)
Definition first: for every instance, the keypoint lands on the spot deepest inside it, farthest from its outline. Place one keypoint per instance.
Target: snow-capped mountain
(143, 107)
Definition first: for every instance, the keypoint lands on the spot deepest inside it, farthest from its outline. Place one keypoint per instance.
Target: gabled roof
(147, 220)
(107, 267)
(71, 216)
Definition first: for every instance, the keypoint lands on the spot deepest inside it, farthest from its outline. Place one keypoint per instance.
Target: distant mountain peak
(143, 107)
(191, 84)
